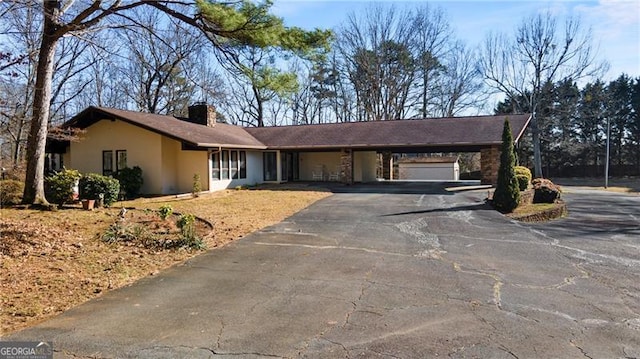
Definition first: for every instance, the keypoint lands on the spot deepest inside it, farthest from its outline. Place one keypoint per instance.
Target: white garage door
(422, 172)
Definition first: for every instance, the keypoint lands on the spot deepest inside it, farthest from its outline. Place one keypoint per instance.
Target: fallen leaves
(52, 261)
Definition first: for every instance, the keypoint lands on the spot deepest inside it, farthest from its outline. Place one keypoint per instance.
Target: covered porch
(349, 152)
(350, 166)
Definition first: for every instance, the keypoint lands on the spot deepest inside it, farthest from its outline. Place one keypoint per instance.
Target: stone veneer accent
(489, 165)
(387, 165)
(346, 166)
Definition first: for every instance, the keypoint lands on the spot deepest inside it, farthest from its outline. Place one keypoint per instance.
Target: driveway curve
(402, 271)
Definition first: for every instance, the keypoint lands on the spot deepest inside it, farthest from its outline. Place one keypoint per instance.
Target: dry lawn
(52, 261)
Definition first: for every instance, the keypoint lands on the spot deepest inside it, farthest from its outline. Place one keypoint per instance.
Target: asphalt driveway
(405, 271)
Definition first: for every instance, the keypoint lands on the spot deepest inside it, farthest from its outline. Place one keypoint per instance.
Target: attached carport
(345, 142)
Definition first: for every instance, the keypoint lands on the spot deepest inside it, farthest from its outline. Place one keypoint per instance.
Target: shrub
(507, 194)
(188, 237)
(165, 211)
(523, 175)
(59, 187)
(10, 192)
(93, 185)
(130, 181)
(136, 234)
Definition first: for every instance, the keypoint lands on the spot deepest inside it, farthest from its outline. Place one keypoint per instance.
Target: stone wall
(346, 166)
(387, 165)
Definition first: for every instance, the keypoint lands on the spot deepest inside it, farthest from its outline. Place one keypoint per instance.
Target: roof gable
(197, 135)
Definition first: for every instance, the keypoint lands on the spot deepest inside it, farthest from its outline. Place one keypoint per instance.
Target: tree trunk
(17, 150)
(537, 157)
(34, 181)
(260, 109)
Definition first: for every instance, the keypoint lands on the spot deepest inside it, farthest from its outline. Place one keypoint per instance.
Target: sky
(615, 24)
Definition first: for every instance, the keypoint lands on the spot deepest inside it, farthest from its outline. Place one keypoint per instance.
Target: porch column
(346, 166)
(387, 165)
(489, 165)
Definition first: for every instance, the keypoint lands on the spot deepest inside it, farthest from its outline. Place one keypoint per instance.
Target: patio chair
(335, 176)
(318, 174)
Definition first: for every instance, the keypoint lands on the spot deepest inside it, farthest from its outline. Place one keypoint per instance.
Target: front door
(270, 166)
(290, 166)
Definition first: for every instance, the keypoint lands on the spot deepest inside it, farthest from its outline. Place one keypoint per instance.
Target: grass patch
(539, 212)
(52, 261)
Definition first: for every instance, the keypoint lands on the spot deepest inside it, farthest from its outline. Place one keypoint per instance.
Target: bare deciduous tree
(432, 36)
(158, 58)
(376, 48)
(459, 87)
(538, 52)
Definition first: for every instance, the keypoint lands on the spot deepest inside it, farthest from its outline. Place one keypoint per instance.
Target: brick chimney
(202, 114)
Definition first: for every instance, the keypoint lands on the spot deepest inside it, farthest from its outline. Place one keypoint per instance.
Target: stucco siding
(254, 168)
(143, 148)
(365, 163)
(189, 164)
(311, 161)
(170, 149)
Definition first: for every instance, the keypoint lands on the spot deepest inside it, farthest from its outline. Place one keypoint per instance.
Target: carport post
(346, 166)
(387, 165)
(489, 165)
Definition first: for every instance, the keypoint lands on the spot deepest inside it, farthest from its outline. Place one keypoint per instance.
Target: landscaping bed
(539, 212)
(52, 261)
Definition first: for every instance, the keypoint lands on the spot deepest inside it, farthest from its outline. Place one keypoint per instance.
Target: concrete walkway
(406, 271)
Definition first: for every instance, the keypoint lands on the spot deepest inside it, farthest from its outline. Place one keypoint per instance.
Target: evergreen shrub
(10, 192)
(59, 187)
(506, 197)
(93, 185)
(130, 181)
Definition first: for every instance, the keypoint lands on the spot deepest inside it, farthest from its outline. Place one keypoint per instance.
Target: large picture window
(107, 163)
(215, 166)
(229, 164)
(270, 166)
(234, 165)
(224, 170)
(243, 164)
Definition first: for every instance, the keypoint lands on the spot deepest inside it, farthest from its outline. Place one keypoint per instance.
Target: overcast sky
(615, 24)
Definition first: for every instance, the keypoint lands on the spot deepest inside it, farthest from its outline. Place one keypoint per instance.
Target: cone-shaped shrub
(507, 194)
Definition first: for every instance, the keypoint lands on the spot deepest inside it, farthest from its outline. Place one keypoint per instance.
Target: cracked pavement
(402, 271)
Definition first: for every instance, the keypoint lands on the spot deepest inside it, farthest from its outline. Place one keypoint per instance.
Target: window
(107, 163)
(121, 160)
(225, 165)
(243, 164)
(234, 165)
(215, 166)
(270, 166)
(228, 164)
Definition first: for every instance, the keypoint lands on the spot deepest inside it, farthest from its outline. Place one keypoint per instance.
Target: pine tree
(507, 194)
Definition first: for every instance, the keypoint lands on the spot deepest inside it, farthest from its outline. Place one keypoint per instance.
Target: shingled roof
(221, 135)
(463, 133)
(469, 132)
